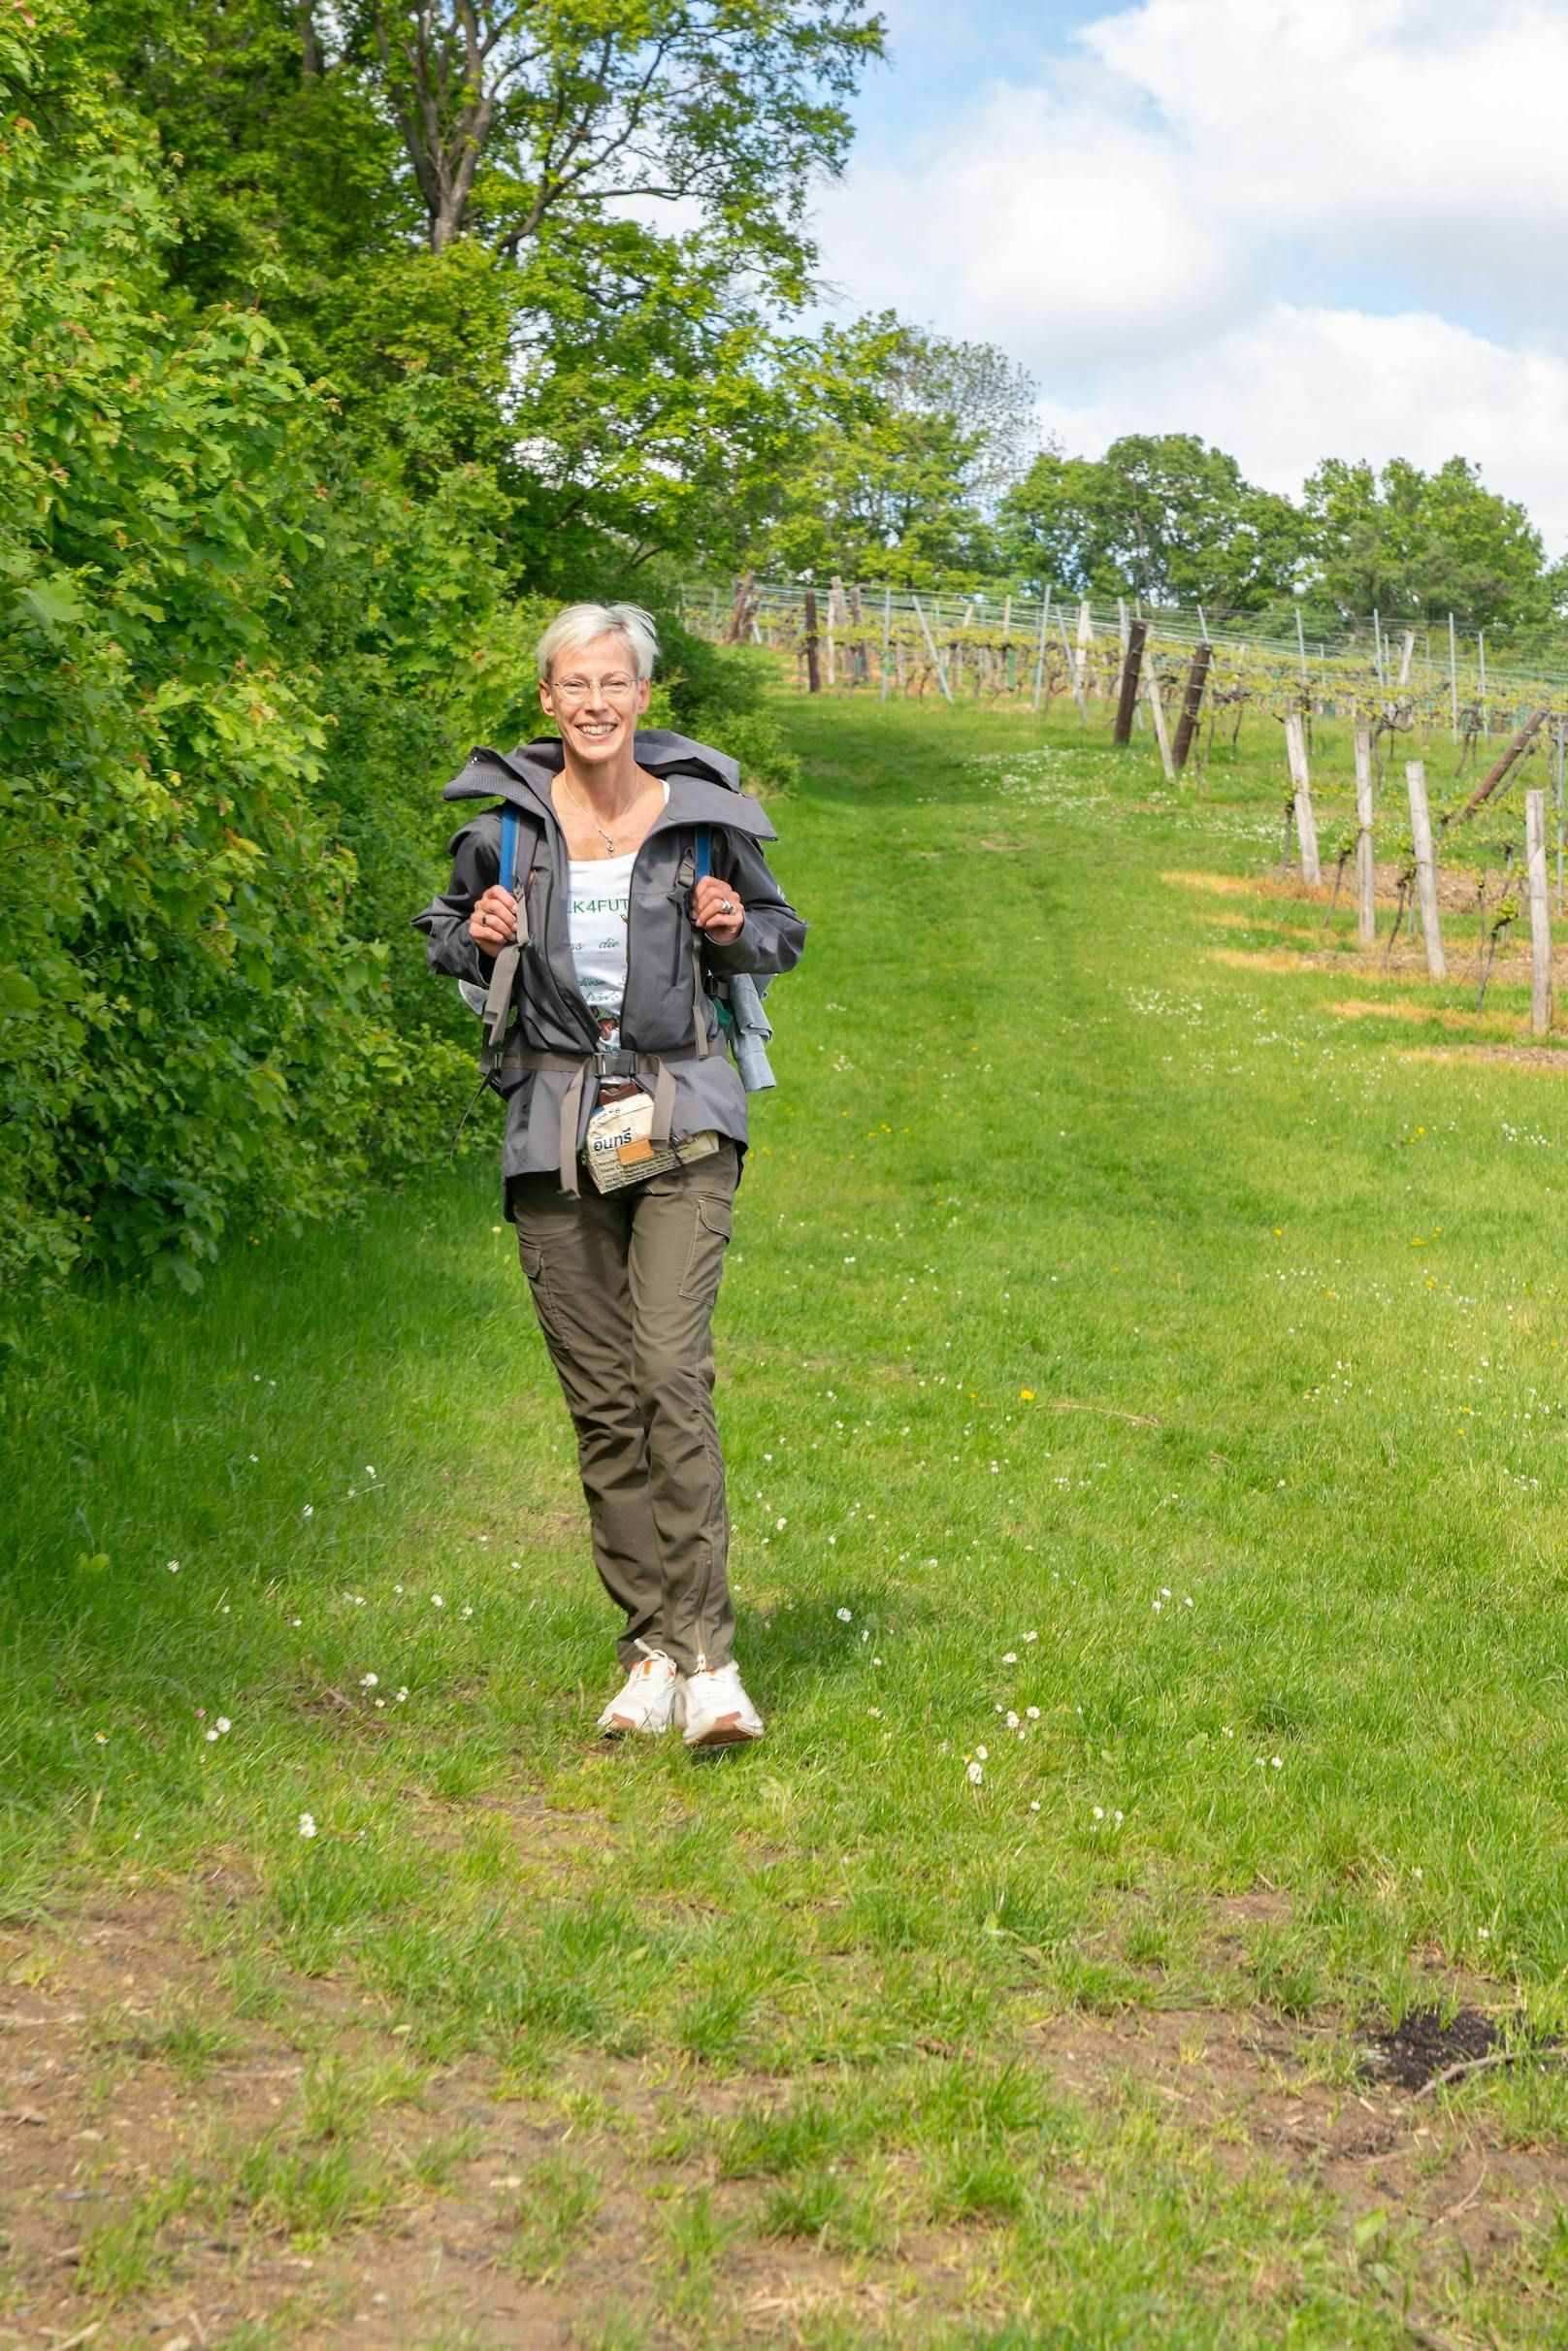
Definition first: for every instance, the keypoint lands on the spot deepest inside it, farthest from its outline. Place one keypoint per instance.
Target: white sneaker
(646, 1700)
(713, 1709)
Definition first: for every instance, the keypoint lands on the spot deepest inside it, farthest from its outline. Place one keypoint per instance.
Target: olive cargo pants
(624, 1285)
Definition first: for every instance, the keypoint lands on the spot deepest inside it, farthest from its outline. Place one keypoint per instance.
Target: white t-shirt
(601, 899)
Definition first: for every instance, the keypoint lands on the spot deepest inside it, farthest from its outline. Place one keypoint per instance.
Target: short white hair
(580, 623)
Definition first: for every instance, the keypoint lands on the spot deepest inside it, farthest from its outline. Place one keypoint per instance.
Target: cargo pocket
(711, 1236)
(531, 1259)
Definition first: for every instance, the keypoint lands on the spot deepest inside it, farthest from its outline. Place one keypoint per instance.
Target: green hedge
(238, 657)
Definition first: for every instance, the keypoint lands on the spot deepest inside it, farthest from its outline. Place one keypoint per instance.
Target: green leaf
(52, 604)
(1369, 2228)
(19, 993)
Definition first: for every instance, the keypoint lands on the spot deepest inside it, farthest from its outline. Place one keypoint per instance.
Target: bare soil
(1455, 887)
(80, 2140)
(93, 2114)
(1518, 1057)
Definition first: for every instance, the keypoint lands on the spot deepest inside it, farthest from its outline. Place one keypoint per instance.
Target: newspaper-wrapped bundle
(620, 1145)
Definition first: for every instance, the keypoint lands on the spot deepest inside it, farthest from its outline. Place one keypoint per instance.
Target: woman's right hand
(494, 920)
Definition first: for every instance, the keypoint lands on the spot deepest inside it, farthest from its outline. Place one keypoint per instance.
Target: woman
(601, 942)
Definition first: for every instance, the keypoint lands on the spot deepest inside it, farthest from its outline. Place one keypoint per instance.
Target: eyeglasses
(577, 689)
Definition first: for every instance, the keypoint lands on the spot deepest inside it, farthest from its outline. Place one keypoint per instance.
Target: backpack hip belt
(616, 1064)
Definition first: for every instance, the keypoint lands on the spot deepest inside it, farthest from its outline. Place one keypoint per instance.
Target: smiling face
(596, 698)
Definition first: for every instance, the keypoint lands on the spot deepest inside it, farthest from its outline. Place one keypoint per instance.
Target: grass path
(1143, 1390)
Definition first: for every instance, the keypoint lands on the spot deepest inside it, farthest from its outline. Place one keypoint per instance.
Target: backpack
(737, 998)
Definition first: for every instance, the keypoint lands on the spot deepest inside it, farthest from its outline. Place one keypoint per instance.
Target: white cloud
(1293, 385)
(1043, 228)
(1298, 227)
(1411, 128)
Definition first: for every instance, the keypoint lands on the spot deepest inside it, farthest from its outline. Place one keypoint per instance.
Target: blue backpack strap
(503, 971)
(704, 851)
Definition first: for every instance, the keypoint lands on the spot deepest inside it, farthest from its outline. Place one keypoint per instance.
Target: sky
(1298, 228)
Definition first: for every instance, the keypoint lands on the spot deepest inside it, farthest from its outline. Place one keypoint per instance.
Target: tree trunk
(444, 156)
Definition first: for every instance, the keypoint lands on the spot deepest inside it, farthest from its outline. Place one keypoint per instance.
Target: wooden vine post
(1039, 657)
(1157, 711)
(1495, 775)
(1420, 827)
(1535, 850)
(741, 612)
(937, 662)
(1072, 670)
(1192, 701)
(813, 674)
(1136, 632)
(1366, 919)
(836, 623)
(1085, 637)
(1306, 823)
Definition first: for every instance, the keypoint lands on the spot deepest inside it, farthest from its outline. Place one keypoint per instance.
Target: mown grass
(1115, 1338)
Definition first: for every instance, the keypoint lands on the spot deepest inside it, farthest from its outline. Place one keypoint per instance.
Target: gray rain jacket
(546, 1066)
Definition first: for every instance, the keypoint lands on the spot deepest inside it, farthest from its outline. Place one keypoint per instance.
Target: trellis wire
(974, 635)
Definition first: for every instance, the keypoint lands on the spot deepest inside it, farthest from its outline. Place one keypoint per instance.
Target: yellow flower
(1027, 1394)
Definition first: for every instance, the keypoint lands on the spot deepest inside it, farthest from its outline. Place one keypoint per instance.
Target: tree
(546, 240)
(1415, 546)
(985, 397)
(1160, 516)
(512, 114)
(896, 442)
(502, 119)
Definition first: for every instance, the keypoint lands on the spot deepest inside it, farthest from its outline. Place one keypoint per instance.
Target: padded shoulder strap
(692, 867)
(503, 971)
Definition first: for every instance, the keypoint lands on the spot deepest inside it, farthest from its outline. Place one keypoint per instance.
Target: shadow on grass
(806, 1645)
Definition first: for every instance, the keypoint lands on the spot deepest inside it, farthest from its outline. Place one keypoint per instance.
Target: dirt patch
(1315, 2100)
(1237, 885)
(105, 2095)
(1480, 1024)
(107, 2088)
(1410, 2054)
(1234, 1915)
(1406, 968)
(1517, 1057)
(1275, 959)
(1456, 887)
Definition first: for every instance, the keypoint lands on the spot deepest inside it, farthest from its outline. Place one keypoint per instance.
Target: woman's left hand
(717, 912)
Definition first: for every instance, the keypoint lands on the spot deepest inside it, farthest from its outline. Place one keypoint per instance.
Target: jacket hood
(709, 780)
